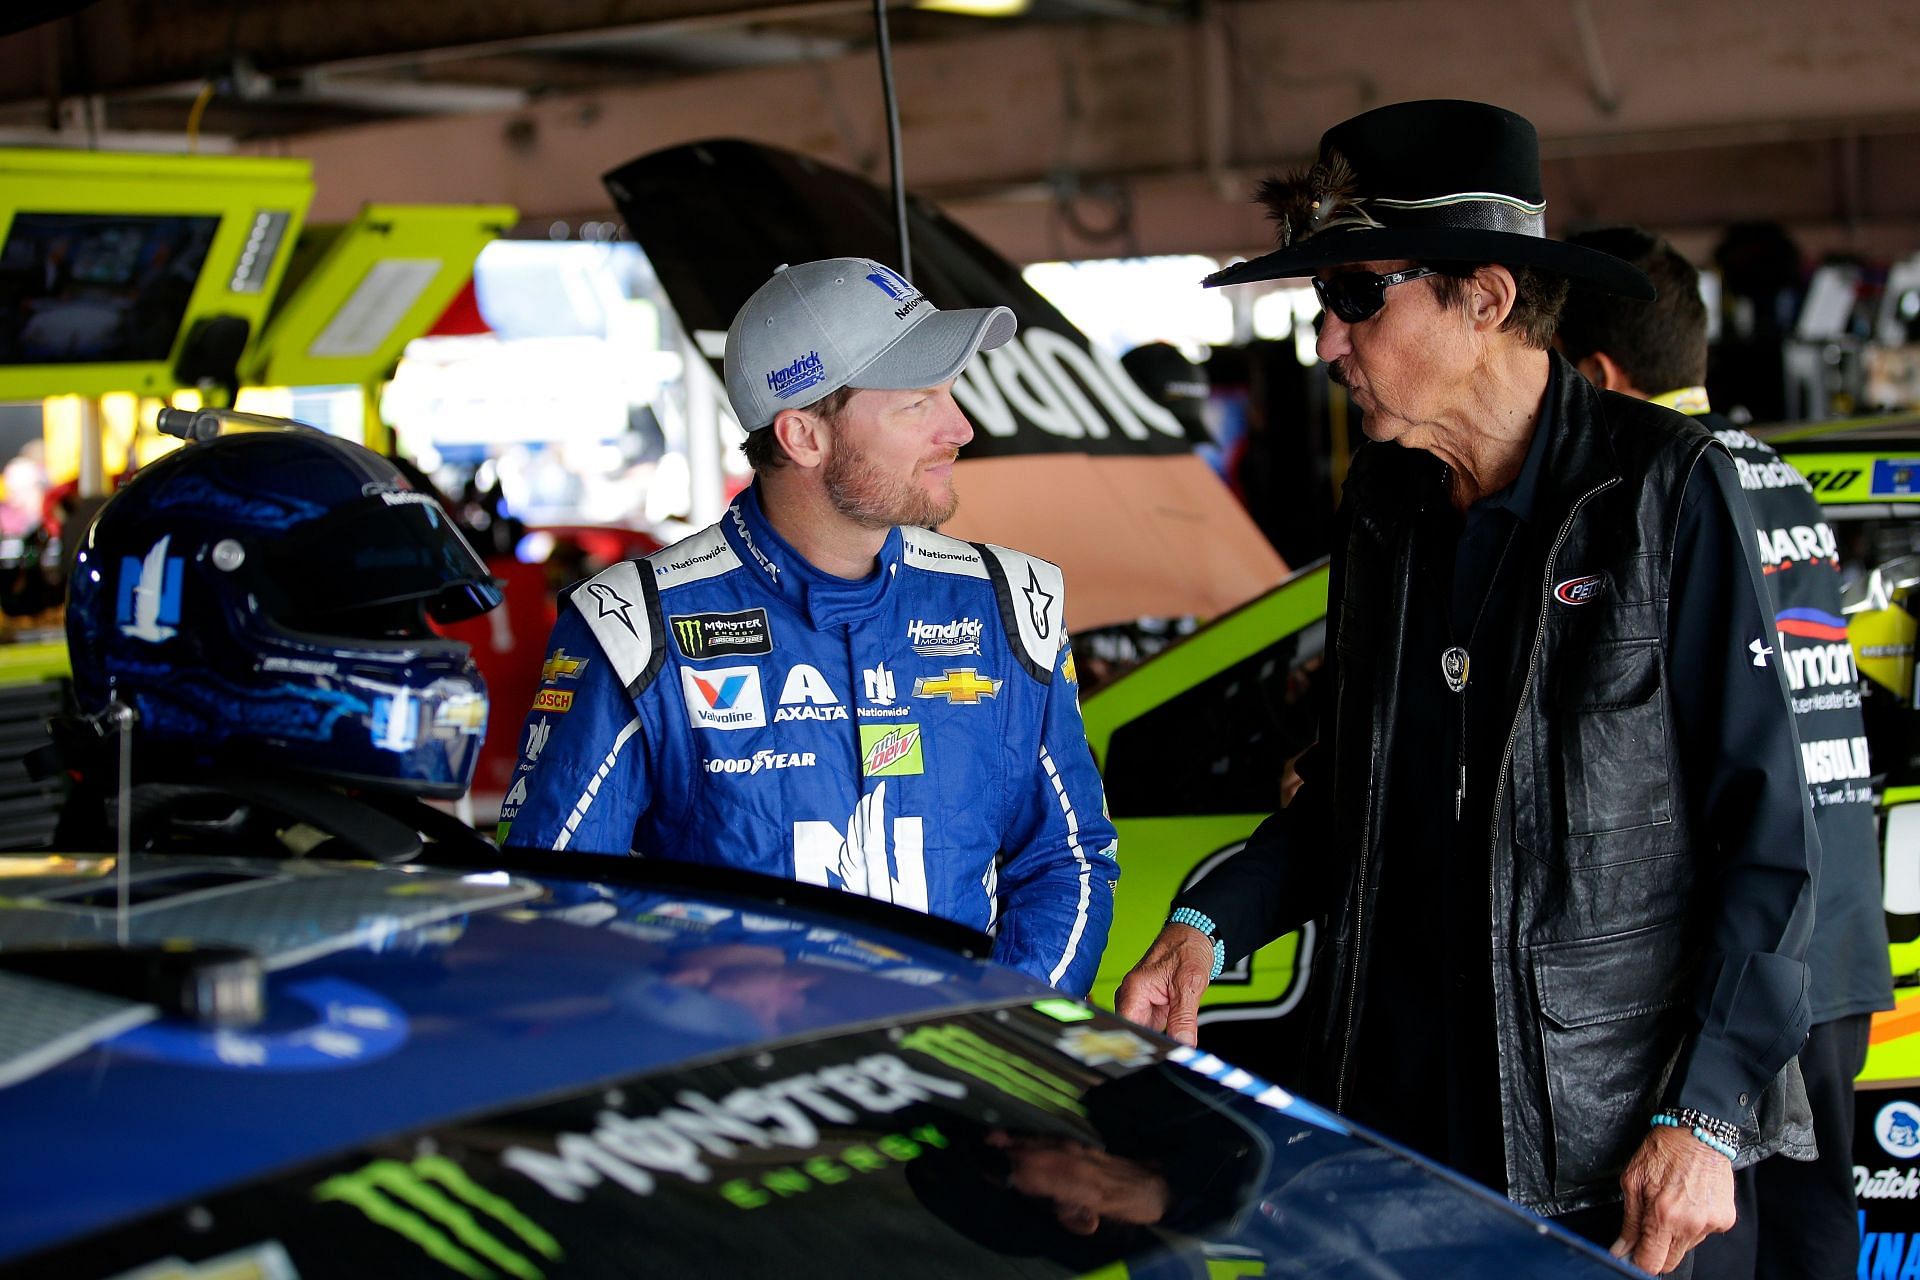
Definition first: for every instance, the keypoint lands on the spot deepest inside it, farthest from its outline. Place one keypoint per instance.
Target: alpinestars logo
(612, 604)
(432, 1202)
(1038, 602)
(149, 603)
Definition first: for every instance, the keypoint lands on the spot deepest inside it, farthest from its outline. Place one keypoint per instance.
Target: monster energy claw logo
(972, 1055)
(442, 1220)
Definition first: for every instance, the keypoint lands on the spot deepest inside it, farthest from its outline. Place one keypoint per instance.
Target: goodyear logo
(965, 686)
(433, 1203)
(721, 635)
(560, 667)
(558, 701)
(890, 750)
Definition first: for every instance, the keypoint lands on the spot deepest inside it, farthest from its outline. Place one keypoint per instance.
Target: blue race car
(598, 1067)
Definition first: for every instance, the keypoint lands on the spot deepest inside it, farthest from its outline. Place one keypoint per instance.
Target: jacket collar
(823, 599)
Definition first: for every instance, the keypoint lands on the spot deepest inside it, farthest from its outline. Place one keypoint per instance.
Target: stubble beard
(864, 493)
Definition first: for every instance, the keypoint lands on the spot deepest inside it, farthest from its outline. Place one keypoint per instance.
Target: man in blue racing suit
(818, 686)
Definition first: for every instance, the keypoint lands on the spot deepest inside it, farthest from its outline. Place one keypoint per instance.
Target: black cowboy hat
(1434, 181)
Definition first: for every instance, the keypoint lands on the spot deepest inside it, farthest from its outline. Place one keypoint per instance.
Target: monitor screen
(84, 288)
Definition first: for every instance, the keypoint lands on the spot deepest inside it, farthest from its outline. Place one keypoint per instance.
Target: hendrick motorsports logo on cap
(808, 371)
(1898, 1129)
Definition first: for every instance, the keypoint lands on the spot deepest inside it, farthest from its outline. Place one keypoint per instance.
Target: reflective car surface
(591, 1067)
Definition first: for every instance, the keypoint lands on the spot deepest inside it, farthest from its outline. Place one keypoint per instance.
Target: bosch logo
(1580, 590)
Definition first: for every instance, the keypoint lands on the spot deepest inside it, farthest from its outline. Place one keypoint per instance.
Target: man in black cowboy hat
(1565, 896)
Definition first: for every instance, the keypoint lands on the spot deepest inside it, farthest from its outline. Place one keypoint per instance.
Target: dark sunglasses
(1358, 295)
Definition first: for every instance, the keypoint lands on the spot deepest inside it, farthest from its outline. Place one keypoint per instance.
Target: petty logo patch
(1581, 590)
(722, 635)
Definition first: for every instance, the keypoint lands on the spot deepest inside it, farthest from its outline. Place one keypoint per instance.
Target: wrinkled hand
(1163, 990)
(1084, 1184)
(1679, 1191)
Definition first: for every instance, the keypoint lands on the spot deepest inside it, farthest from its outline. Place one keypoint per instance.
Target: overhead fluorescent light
(976, 8)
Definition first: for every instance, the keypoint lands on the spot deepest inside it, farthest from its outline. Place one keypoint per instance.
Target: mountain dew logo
(445, 1220)
(890, 750)
(972, 1055)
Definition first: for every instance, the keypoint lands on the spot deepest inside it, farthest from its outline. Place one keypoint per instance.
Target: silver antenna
(121, 718)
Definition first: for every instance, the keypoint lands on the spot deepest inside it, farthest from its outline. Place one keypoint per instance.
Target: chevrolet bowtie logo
(965, 685)
(560, 666)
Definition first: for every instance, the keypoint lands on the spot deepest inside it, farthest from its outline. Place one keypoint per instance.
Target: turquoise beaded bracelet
(1668, 1120)
(1204, 923)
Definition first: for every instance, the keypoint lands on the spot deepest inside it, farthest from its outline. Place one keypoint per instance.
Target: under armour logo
(1038, 602)
(611, 603)
(1760, 652)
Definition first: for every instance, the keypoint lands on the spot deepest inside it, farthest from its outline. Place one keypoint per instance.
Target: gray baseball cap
(846, 322)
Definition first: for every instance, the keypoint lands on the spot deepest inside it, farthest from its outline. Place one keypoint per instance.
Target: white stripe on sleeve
(586, 799)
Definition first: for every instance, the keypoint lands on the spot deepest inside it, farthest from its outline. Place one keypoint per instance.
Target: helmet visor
(384, 549)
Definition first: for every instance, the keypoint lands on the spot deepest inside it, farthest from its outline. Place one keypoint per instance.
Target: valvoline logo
(1581, 590)
(1814, 624)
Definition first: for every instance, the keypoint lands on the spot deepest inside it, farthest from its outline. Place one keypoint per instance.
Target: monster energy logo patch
(722, 635)
(445, 1220)
(781, 1114)
(973, 1055)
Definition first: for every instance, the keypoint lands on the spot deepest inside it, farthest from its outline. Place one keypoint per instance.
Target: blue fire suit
(914, 736)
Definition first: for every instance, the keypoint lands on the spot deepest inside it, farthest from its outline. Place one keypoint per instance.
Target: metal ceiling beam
(116, 46)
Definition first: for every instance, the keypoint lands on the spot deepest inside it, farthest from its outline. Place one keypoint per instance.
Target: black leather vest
(1590, 873)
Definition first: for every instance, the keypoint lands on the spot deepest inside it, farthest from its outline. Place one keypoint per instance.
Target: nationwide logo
(149, 603)
(724, 698)
(1582, 590)
(955, 639)
(962, 686)
(433, 1203)
(557, 701)
(761, 760)
(879, 683)
(890, 750)
(892, 283)
(808, 371)
(561, 667)
(711, 635)
(662, 570)
(537, 734)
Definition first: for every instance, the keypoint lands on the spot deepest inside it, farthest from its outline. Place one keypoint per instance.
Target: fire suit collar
(823, 599)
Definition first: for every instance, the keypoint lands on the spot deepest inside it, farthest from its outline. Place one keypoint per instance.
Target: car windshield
(1039, 1139)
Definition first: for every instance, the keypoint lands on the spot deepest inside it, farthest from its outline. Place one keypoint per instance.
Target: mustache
(1337, 373)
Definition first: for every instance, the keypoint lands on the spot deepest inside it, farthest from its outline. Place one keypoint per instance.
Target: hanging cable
(893, 137)
(193, 117)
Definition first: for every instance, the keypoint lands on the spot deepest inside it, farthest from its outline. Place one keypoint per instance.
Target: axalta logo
(1581, 590)
(807, 696)
(955, 639)
(890, 750)
(724, 698)
(433, 1203)
(808, 371)
(965, 686)
(762, 760)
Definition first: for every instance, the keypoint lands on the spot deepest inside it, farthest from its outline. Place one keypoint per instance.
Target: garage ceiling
(1080, 128)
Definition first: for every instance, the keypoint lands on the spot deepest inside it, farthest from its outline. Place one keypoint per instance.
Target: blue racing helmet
(261, 600)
